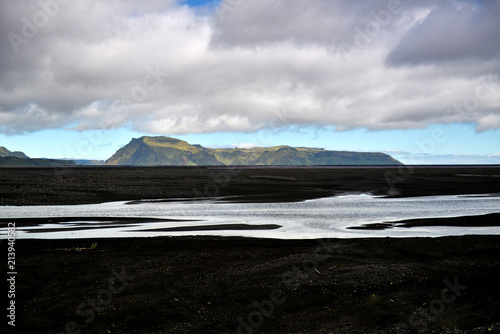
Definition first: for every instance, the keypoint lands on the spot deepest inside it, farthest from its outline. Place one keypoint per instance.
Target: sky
(419, 80)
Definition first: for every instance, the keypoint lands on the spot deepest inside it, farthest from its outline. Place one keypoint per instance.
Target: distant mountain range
(19, 159)
(29, 162)
(166, 151)
(87, 162)
(6, 153)
(157, 151)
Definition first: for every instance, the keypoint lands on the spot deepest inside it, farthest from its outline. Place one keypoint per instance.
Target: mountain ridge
(19, 159)
(32, 162)
(167, 151)
(4, 152)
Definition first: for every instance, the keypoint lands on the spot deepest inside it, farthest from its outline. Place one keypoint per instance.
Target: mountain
(6, 153)
(19, 159)
(29, 162)
(156, 151)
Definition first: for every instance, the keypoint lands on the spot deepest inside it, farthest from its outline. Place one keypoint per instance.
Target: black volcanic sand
(217, 285)
(45, 186)
(488, 220)
(205, 285)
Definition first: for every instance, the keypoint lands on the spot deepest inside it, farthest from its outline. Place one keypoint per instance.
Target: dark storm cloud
(454, 31)
(253, 23)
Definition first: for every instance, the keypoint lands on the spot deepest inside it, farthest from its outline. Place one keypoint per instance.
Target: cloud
(454, 31)
(243, 145)
(163, 67)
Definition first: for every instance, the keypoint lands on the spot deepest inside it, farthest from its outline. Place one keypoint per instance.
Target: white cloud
(265, 64)
(243, 145)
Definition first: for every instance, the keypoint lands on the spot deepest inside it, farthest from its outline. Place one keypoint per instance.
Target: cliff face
(157, 151)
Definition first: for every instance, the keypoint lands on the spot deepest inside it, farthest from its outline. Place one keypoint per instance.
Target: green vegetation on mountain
(162, 151)
(6, 153)
(166, 151)
(19, 159)
(29, 162)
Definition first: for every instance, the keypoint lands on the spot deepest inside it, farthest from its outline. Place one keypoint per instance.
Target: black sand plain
(82, 185)
(238, 285)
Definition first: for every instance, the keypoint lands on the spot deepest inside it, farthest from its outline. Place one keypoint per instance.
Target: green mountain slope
(6, 153)
(29, 162)
(19, 159)
(153, 151)
(156, 151)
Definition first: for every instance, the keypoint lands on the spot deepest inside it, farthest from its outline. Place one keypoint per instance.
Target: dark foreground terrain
(45, 186)
(236, 285)
(233, 285)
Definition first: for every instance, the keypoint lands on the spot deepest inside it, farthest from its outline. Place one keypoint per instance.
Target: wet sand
(489, 220)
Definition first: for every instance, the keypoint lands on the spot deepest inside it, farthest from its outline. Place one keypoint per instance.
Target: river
(318, 218)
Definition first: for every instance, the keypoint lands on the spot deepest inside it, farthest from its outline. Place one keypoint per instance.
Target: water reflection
(341, 216)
